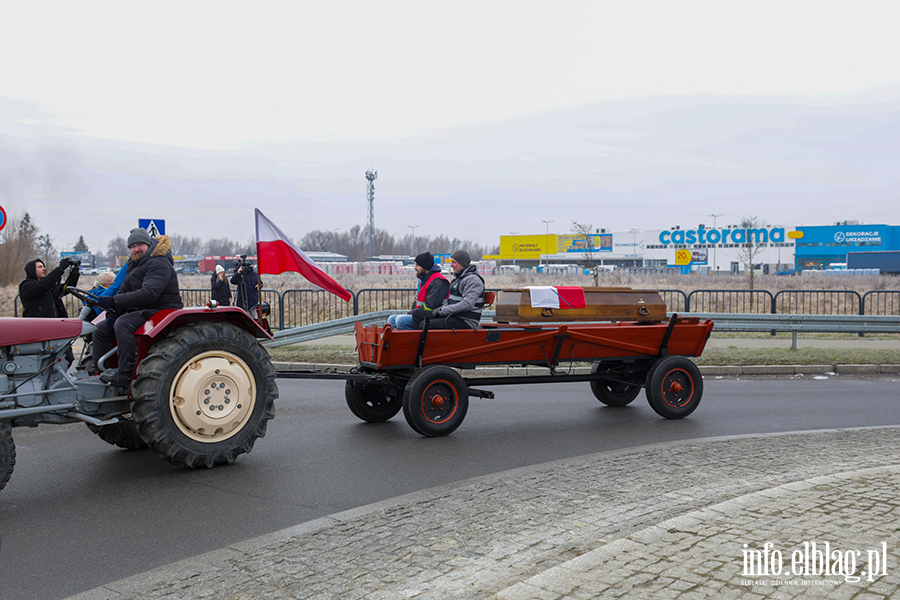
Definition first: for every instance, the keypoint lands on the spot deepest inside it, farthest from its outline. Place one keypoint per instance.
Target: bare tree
(183, 245)
(19, 246)
(220, 247)
(45, 247)
(586, 230)
(751, 247)
(117, 250)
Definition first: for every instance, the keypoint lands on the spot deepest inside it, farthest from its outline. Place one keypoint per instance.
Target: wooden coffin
(603, 304)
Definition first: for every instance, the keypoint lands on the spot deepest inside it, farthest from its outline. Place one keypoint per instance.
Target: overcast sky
(481, 118)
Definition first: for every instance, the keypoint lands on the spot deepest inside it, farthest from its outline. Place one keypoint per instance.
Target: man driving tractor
(150, 285)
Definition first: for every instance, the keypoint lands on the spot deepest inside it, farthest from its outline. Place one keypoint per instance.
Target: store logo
(725, 236)
(839, 236)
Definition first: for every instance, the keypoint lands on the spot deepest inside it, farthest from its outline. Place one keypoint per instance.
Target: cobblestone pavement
(677, 520)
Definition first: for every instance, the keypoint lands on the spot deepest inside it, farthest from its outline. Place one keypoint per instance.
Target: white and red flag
(564, 297)
(276, 253)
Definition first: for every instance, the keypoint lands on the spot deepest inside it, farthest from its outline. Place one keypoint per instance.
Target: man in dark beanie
(150, 285)
(431, 292)
(462, 308)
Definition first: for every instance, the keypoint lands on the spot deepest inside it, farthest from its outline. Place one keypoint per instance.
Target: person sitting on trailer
(433, 290)
(462, 308)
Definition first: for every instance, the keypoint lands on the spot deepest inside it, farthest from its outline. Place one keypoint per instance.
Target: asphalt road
(79, 513)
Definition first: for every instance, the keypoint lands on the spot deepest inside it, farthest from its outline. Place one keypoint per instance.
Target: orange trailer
(424, 372)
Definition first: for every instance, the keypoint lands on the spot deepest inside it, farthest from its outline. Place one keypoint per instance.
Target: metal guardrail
(738, 322)
(795, 324)
(294, 308)
(317, 331)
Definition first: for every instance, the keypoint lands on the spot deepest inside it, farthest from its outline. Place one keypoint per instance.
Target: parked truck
(886, 262)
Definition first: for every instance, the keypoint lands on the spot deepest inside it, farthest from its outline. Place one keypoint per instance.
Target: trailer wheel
(204, 394)
(370, 401)
(7, 455)
(613, 393)
(435, 401)
(674, 387)
(123, 434)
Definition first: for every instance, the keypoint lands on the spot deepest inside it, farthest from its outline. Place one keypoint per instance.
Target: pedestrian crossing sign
(155, 227)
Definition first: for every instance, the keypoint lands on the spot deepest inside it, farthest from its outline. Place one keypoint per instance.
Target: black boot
(117, 379)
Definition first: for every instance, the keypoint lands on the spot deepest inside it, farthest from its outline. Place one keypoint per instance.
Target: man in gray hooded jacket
(462, 309)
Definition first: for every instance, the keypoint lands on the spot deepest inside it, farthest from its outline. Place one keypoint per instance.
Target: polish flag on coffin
(563, 297)
(275, 253)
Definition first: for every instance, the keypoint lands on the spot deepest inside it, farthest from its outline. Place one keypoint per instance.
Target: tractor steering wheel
(89, 299)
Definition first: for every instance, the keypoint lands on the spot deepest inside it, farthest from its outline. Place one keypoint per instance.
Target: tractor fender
(164, 321)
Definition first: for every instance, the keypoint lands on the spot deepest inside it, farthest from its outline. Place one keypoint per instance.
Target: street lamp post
(633, 233)
(514, 245)
(715, 256)
(548, 240)
(413, 247)
(334, 245)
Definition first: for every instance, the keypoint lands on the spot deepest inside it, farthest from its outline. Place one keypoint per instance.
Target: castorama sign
(757, 235)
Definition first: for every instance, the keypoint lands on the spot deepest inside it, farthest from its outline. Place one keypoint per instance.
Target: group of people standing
(247, 287)
(445, 305)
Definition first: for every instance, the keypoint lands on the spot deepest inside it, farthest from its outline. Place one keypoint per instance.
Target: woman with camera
(221, 291)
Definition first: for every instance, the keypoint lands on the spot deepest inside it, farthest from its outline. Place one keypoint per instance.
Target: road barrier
(297, 308)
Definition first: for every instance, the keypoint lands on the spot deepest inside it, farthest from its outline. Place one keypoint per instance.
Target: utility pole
(371, 176)
(514, 245)
(548, 241)
(634, 248)
(412, 246)
(715, 262)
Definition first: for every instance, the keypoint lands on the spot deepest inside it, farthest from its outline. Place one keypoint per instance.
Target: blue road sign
(155, 227)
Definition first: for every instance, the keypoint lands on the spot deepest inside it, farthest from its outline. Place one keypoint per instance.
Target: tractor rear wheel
(204, 394)
(7, 455)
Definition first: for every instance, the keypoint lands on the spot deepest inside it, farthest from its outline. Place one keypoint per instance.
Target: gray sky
(482, 118)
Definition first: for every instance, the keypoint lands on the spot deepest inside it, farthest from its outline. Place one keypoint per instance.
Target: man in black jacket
(42, 292)
(151, 285)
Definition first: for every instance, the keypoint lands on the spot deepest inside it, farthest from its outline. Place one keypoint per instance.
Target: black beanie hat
(425, 260)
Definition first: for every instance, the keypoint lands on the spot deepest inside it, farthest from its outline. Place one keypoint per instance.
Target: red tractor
(202, 390)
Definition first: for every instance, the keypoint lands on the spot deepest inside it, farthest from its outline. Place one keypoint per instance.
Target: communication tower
(371, 176)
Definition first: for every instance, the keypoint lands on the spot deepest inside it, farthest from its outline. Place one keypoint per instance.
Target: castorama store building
(718, 249)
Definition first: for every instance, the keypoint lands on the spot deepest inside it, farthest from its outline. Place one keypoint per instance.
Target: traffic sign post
(155, 227)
